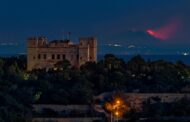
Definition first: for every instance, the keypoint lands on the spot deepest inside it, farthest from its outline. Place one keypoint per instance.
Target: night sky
(121, 26)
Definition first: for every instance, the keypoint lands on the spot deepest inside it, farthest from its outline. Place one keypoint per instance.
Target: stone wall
(59, 108)
(82, 119)
(136, 100)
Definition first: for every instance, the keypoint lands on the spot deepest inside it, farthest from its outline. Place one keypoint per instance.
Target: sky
(121, 26)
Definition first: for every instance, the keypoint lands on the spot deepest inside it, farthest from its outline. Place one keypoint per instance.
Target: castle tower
(87, 50)
(42, 41)
(93, 50)
(33, 45)
(31, 53)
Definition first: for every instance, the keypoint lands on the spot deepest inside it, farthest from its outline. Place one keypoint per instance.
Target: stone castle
(44, 54)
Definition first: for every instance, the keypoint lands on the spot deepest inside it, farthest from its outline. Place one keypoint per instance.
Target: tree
(112, 63)
(1, 67)
(137, 65)
(63, 65)
(82, 90)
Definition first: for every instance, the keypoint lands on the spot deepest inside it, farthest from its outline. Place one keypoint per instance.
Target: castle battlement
(44, 54)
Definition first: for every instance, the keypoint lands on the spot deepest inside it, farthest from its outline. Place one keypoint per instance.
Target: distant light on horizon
(185, 53)
(114, 45)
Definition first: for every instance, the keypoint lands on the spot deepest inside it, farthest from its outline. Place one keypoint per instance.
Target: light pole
(117, 115)
(117, 111)
(111, 116)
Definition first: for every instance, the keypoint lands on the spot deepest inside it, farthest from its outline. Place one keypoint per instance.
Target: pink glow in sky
(166, 31)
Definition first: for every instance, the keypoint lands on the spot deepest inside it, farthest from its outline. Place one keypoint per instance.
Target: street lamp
(117, 108)
(117, 113)
(118, 101)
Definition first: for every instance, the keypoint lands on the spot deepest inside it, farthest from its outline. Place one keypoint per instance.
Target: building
(44, 54)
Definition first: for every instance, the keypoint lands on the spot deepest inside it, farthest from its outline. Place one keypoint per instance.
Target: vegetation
(68, 85)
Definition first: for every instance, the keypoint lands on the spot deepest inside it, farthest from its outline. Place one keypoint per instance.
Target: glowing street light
(117, 113)
(118, 101)
(117, 108)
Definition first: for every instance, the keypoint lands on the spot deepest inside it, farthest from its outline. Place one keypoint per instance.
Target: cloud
(166, 31)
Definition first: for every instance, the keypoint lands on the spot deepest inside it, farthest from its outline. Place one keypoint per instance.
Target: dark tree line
(68, 85)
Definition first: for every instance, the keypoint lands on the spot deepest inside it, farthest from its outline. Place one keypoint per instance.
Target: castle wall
(87, 50)
(54, 55)
(93, 50)
(42, 54)
(31, 53)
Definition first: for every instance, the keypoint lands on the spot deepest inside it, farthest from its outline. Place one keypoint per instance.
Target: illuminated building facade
(43, 54)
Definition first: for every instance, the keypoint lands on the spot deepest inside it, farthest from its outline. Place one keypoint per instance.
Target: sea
(170, 58)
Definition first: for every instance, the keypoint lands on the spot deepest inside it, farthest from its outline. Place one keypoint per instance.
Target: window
(45, 56)
(58, 56)
(53, 56)
(39, 56)
(71, 57)
(63, 57)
